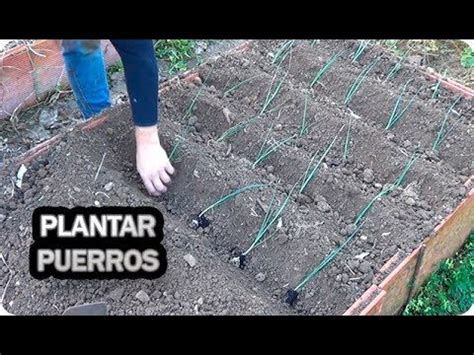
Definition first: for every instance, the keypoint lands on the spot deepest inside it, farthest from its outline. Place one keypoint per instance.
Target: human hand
(153, 164)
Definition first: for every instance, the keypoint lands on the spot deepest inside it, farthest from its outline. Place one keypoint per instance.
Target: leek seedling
(174, 155)
(359, 221)
(443, 131)
(281, 54)
(304, 125)
(398, 112)
(325, 68)
(312, 171)
(189, 110)
(315, 41)
(396, 68)
(292, 294)
(358, 52)
(271, 217)
(236, 129)
(272, 92)
(347, 140)
(235, 87)
(437, 86)
(265, 152)
(202, 221)
(359, 80)
(388, 188)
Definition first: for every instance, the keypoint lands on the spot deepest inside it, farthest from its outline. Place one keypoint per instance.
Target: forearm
(141, 75)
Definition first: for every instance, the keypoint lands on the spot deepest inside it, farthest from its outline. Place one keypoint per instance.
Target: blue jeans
(87, 75)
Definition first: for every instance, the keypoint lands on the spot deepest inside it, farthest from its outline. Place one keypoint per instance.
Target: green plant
(398, 111)
(360, 49)
(180, 139)
(387, 188)
(308, 277)
(272, 91)
(347, 140)
(283, 51)
(176, 150)
(236, 129)
(392, 44)
(272, 215)
(396, 67)
(437, 86)
(467, 58)
(238, 85)
(443, 130)
(313, 170)
(358, 222)
(325, 68)
(114, 68)
(359, 80)
(450, 289)
(265, 150)
(175, 51)
(229, 196)
(304, 124)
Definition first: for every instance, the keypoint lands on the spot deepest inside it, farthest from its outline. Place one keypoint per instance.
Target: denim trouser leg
(85, 68)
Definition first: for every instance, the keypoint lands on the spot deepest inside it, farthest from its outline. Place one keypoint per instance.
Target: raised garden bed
(357, 203)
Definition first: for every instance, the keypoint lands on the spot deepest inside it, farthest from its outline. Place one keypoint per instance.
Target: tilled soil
(313, 223)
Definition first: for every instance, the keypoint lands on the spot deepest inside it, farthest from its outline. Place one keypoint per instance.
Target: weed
(467, 58)
(450, 290)
(177, 52)
(114, 68)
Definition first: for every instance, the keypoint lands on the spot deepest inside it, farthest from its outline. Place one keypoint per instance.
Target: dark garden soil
(313, 223)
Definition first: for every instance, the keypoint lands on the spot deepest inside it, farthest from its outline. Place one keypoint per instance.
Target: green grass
(467, 58)
(450, 290)
(177, 52)
(114, 68)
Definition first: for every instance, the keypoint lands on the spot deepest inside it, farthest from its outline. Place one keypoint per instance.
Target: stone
(116, 294)
(323, 206)
(191, 260)
(142, 296)
(368, 176)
